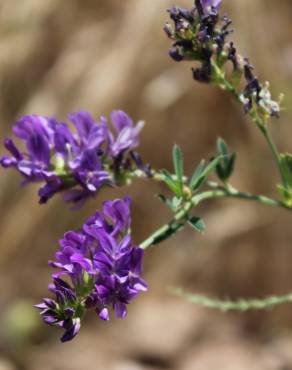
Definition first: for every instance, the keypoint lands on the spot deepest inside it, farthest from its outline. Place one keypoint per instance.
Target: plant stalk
(182, 216)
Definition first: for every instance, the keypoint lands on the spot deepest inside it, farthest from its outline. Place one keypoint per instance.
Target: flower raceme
(197, 35)
(97, 267)
(200, 35)
(77, 163)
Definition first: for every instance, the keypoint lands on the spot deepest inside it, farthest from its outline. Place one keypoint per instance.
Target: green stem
(274, 150)
(228, 305)
(226, 85)
(181, 217)
(157, 176)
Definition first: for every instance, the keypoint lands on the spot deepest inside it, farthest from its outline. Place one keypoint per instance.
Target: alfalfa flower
(200, 35)
(197, 34)
(77, 162)
(102, 268)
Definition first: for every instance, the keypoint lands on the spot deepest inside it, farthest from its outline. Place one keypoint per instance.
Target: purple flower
(197, 34)
(208, 5)
(76, 161)
(72, 258)
(127, 135)
(119, 212)
(103, 266)
(64, 312)
(200, 35)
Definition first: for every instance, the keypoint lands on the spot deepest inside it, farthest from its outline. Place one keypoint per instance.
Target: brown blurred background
(62, 56)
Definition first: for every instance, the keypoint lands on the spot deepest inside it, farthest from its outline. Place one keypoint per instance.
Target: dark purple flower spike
(200, 35)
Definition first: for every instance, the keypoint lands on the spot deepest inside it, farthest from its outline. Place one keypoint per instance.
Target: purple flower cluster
(102, 269)
(77, 162)
(197, 33)
(66, 311)
(200, 35)
(257, 95)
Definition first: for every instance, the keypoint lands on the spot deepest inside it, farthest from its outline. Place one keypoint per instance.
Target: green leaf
(222, 147)
(225, 169)
(211, 166)
(165, 201)
(171, 183)
(176, 202)
(198, 224)
(173, 203)
(201, 177)
(225, 166)
(197, 175)
(178, 165)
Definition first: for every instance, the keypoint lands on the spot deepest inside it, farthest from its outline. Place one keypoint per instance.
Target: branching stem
(181, 217)
(260, 122)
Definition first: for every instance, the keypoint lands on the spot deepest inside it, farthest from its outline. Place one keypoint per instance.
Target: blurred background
(62, 56)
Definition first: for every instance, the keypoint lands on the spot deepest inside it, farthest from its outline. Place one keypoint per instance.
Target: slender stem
(226, 85)
(228, 305)
(274, 150)
(181, 217)
(157, 176)
(223, 83)
(170, 228)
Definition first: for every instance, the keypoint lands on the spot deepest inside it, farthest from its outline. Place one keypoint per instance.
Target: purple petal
(50, 320)
(119, 212)
(125, 244)
(38, 148)
(120, 310)
(207, 5)
(83, 122)
(50, 303)
(54, 184)
(8, 161)
(83, 262)
(137, 255)
(72, 332)
(106, 241)
(9, 145)
(90, 160)
(63, 137)
(120, 120)
(127, 139)
(41, 306)
(139, 285)
(30, 169)
(97, 136)
(103, 314)
(101, 290)
(102, 262)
